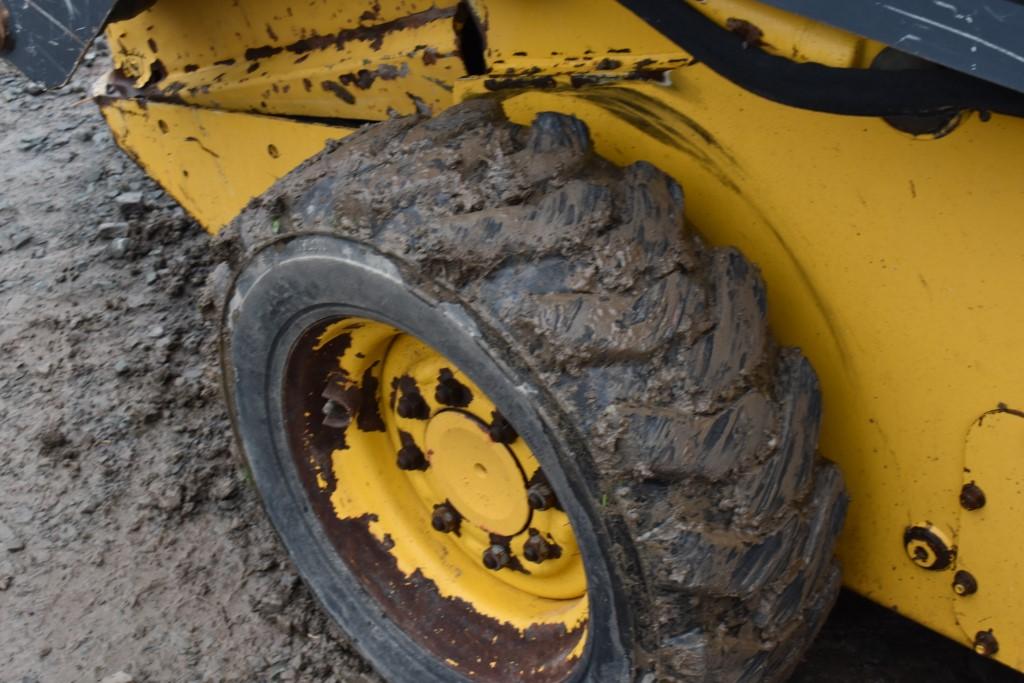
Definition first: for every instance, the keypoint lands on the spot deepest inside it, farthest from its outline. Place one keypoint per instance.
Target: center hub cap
(481, 478)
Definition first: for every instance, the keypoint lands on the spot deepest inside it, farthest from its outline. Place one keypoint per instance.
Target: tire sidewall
(296, 282)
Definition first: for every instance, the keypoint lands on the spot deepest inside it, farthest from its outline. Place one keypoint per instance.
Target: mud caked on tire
(633, 359)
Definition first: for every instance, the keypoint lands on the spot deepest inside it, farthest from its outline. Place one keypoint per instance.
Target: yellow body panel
(789, 35)
(894, 262)
(987, 543)
(365, 60)
(213, 162)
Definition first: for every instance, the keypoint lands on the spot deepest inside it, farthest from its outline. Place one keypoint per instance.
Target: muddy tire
(634, 359)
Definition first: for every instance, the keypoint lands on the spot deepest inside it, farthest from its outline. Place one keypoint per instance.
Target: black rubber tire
(635, 360)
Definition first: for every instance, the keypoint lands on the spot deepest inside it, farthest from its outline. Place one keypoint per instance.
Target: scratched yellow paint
(213, 162)
(353, 60)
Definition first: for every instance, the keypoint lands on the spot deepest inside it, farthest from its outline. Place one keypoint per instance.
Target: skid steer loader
(538, 307)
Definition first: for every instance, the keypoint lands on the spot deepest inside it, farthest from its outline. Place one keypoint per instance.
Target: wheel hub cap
(481, 478)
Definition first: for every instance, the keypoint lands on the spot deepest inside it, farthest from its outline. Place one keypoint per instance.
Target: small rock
(155, 331)
(109, 231)
(5, 582)
(29, 143)
(119, 247)
(131, 204)
(224, 488)
(51, 437)
(150, 277)
(192, 373)
(44, 369)
(34, 88)
(19, 239)
(167, 498)
(9, 540)
(121, 367)
(119, 677)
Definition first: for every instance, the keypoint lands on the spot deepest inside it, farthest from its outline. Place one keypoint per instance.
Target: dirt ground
(131, 547)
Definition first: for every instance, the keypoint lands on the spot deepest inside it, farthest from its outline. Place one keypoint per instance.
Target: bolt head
(410, 457)
(964, 583)
(985, 643)
(536, 549)
(412, 406)
(541, 497)
(445, 519)
(452, 392)
(496, 557)
(972, 497)
(501, 430)
(335, 415)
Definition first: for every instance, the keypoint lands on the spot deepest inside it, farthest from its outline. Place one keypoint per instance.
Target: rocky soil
(131, 546)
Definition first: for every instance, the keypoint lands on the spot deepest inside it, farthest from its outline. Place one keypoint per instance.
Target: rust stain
(254, 53)
(339, 91)
(752, 35)
(373, 34)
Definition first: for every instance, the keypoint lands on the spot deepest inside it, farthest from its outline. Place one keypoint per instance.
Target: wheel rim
(409, 451)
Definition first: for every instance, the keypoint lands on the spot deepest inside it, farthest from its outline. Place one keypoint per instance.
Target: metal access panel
(978, 37)
(47, 38)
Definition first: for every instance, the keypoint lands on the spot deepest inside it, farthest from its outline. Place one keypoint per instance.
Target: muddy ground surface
(131, 547)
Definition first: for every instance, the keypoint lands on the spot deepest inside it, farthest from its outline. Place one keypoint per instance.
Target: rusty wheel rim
(434, 502)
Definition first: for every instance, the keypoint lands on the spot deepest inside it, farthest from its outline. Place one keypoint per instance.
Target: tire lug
(445, 518)
(501, 430)
(496, 557)
(541, 497)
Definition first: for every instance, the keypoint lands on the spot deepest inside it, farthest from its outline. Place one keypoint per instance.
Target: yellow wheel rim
(399, 440)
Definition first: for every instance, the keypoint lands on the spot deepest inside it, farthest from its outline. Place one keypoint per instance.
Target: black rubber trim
(853, 92)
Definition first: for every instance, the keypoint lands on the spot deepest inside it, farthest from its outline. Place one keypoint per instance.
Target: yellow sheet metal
(213, 162)
(988, 543)
(789, 35)
(360, 60)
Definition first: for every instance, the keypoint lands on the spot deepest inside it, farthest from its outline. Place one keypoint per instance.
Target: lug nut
(410, 457)
(985, 643)
(496, 557)
(541, 497)
(972, 497)
(445, 519)
(536, 549)
(501, 430)
(452, 392)
(335, 415)
(412, 406)
(964, 583)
